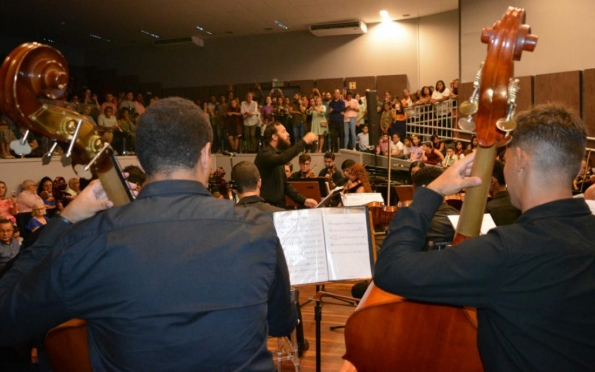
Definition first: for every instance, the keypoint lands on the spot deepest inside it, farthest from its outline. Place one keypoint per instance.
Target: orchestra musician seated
(358, 180)
(305, 172)
(333, 175)
(532, 281)
(248, 183)
(500, 207)
(192, 299)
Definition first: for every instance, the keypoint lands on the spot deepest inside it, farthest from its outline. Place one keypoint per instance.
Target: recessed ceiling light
(100, 38)
(280, 24)
(384, 15)
(203, 30)
(150, 34)
(48, 40)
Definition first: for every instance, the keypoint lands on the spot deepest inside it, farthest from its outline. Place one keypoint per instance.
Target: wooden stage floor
(332, 342)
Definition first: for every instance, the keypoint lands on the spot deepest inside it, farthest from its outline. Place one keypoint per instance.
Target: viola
(35, 70)
(387, 332)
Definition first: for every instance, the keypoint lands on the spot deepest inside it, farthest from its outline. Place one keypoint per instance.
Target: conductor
(271, 160)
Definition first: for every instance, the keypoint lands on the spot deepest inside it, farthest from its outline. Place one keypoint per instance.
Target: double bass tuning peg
(508, 124)
(469, 108)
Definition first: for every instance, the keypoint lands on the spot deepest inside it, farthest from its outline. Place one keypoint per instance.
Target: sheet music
(302, 238)
(487, 222)
(356, 199)
(348, 247)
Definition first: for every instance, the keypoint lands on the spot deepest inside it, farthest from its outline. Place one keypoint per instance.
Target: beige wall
(425, 49)
(566, 33)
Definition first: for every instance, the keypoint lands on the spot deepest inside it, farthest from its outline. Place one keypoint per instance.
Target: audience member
(417, 151)
(336, 110)
(450, 157)
(107, 123)
(234, 125)
(74, 185)
(38, 217)
(363, 139)
(396, 147)
(28, 197)
(319, 121)
(9, 247)
(383, 145)
(6, 137)
(296, 116)
(128, 102)
(431, 155)
(8, 205)
(350, 119)
(249, 110)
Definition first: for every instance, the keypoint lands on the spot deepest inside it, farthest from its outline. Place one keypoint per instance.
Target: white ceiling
(70, 22)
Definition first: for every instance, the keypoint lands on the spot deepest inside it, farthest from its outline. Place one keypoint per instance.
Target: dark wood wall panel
(589, 101)
(362, 83)
(525, 95)
(150, 89)
(242, 89)
(305, 86)
(174, 92)
(198, 92)
(329, 85)
(393, 83)
(219, 90)
(560, 87)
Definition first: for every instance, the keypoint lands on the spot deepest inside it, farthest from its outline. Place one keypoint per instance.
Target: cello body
(389, 333)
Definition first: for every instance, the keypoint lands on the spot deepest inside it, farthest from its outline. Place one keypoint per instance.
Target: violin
(387, 332)
(33, 71)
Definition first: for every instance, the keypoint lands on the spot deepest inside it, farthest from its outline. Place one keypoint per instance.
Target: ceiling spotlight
(280, 24)
(384, 15)
(48, 40)
(150, 34)
(203, 30)
(100, 38)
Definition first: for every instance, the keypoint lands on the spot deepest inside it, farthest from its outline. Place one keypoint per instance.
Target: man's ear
(205, 154)
(259, 183)
(520, 159)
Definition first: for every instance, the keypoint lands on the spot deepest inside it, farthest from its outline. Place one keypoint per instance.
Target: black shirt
(533, 282)
(271, 165)
(501, 210)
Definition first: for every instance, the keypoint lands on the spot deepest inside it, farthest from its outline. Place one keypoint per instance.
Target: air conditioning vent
(181, 42)
(339, 28)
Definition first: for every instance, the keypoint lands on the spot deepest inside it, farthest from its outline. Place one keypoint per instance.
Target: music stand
(311, 188)
(404, 192)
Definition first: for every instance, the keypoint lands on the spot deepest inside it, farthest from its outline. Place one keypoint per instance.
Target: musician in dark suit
(500, 207)
(532, 281)
(248, 183)
(176, 280)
